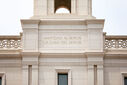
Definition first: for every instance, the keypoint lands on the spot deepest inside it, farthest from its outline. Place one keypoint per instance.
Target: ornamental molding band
(14, 42)
(116, 42)
(10, 42)
(63, 48)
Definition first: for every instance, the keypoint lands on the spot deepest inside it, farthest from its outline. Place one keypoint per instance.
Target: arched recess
(62, 10)
(62, 4)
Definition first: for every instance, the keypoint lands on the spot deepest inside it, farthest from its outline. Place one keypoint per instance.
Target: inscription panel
(62, 40)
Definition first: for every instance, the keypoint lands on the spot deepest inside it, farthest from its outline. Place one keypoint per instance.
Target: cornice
(95, 21)
(30, 21)
(116, 52)
(116, 36)
(62, 55)
(10, 37)
(10, 52)
(30, 53)
(95, 54)
(62, 21)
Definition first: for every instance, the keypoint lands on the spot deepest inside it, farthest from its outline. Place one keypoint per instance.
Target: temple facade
(63, 48)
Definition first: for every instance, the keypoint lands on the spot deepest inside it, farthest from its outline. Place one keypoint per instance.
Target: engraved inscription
(62, 40)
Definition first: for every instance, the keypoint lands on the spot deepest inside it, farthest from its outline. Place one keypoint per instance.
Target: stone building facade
(63, 49)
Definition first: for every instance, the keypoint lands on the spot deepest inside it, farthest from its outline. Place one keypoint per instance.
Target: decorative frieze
(10, 42)
(116, 42)
(14, 42)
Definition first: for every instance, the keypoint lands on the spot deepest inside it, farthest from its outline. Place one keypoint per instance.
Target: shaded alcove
(62, 10)
(62, 5)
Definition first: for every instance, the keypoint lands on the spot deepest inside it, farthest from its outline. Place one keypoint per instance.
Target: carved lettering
(61, 40)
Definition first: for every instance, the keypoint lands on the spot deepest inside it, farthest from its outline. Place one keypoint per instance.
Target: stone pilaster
(30, 62)
(30, 35)
(90, 75)
(73, 7)
(95, 67)
(35, 79)
(25, 75)
(90, 7)
(100, 75)
(95, 35)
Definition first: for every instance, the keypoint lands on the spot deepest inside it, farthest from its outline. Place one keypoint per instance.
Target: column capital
(100, 67)
(95, 23)
(90, 67)
(95, 58)
(30, 23)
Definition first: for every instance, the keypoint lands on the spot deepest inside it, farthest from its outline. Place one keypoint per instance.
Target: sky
(113, 11)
